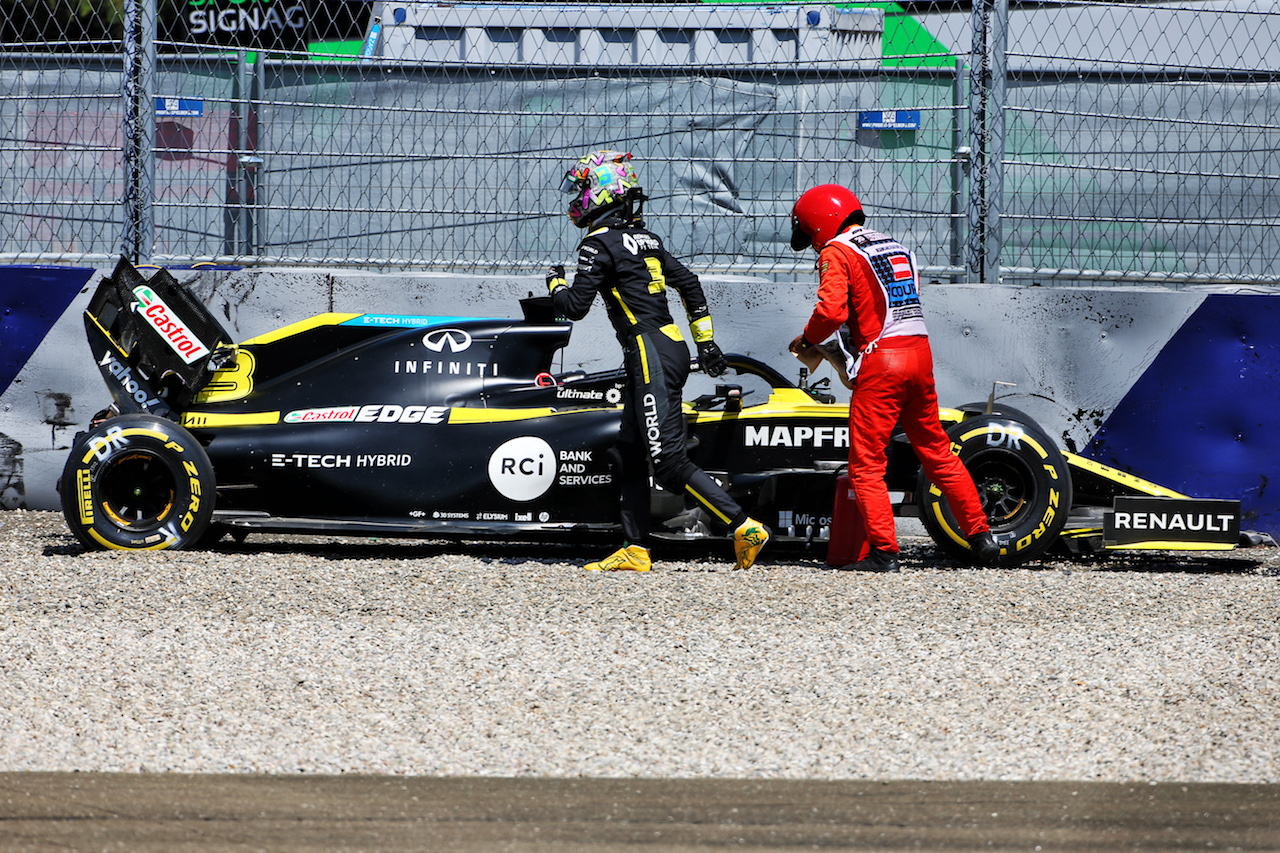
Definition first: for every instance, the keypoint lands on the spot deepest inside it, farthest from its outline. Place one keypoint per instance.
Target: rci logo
(523, 468)
(455, 339)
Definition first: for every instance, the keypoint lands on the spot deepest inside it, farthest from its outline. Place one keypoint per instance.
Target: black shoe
(876, 561)
(984, 547)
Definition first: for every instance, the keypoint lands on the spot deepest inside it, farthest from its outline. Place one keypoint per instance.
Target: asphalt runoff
(173, 812)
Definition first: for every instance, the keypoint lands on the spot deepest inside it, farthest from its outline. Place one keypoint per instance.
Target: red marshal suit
(868, 292)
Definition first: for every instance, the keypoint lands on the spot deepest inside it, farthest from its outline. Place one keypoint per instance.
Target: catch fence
(1049, 143)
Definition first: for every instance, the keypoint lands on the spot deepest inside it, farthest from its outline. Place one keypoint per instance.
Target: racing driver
(868, 293)
(630, 269)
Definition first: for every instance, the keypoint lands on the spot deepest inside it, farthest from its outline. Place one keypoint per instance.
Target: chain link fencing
(1046, 143)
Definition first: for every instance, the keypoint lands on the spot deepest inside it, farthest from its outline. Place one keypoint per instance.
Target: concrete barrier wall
(1181, 387)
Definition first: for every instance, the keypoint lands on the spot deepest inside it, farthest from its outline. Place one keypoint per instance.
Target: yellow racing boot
(630, 558)
(748, 539)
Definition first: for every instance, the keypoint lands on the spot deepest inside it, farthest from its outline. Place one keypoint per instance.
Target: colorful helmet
(600, 182)
(822, 213)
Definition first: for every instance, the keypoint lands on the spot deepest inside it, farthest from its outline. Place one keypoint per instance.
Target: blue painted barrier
(1203, 417)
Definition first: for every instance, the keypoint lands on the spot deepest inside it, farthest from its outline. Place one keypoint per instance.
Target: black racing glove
(711, 359)
(555, 278)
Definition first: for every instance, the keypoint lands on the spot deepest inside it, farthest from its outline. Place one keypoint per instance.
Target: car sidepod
(778, 459)
(445, 425)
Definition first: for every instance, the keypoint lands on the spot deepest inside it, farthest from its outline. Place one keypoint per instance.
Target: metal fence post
(138, 239)
(959, 165)
(987, 69)
(979, 73)
(995, 150)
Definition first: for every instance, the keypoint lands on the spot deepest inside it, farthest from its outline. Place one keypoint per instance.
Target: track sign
(250, 24)
(185, 107)
(889, 120)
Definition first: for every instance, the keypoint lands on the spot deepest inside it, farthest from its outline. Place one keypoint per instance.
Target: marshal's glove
(711, 359)
(555, 278)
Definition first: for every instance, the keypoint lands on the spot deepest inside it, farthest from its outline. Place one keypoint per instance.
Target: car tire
(138, 482)
(1023, 482)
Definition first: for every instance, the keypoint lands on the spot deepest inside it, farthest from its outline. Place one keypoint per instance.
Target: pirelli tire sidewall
(1023, 481)
(138, 482)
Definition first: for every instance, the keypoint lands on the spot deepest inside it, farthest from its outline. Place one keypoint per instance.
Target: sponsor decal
(193, 482)
(903, 294)
(123, 374)
(447, 515)
(102, 446)
(803, 523)
(492, 516)
(796, 436)
(381, 413)
(341, 460)
(455, 340)
(332, 413)
(400, 320)
(439, 367)
(523, 468)
(1134, 520)
(523, 516)
(637, 243)
(652, 428)
(613, 395)
(180, 339)
(591, 394)
(545, 380)
(575, 470)
(1010, 436)
(84, 495)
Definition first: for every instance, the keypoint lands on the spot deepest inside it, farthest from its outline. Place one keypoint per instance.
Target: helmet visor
(571, 183)
(800, 239)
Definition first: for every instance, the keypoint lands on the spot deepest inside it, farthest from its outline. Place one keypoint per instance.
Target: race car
(460, 428)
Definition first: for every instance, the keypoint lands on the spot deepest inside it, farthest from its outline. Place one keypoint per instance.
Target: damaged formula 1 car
(460, 428)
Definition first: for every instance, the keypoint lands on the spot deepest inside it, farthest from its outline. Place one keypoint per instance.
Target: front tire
(1023, 482)
(138, 482)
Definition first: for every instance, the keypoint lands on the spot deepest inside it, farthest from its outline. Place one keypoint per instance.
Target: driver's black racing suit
(631, 270)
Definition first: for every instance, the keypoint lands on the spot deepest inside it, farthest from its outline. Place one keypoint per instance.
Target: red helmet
(822, 213)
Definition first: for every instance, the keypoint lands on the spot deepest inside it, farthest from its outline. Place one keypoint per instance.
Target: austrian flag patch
(901, 265)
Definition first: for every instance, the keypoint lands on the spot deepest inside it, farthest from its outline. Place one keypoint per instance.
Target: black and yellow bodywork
(461, 427)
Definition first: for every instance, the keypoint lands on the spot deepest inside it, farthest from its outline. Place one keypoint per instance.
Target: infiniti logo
(455, 339)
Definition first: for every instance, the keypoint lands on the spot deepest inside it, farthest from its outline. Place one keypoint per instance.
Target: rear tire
(1023, 482)
(138, 482)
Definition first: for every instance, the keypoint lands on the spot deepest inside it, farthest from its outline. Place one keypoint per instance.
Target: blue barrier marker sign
(179, 107)
(889, 120)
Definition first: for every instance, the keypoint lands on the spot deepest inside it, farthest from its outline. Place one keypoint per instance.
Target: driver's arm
(689, 287)
(574, 301)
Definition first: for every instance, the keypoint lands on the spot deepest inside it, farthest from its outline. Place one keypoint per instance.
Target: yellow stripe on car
(1118, 476)
(301, 326)
(211, 420)
(1172, 546)
(460, 415)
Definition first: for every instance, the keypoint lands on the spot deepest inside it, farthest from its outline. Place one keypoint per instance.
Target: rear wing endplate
(154, 342)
